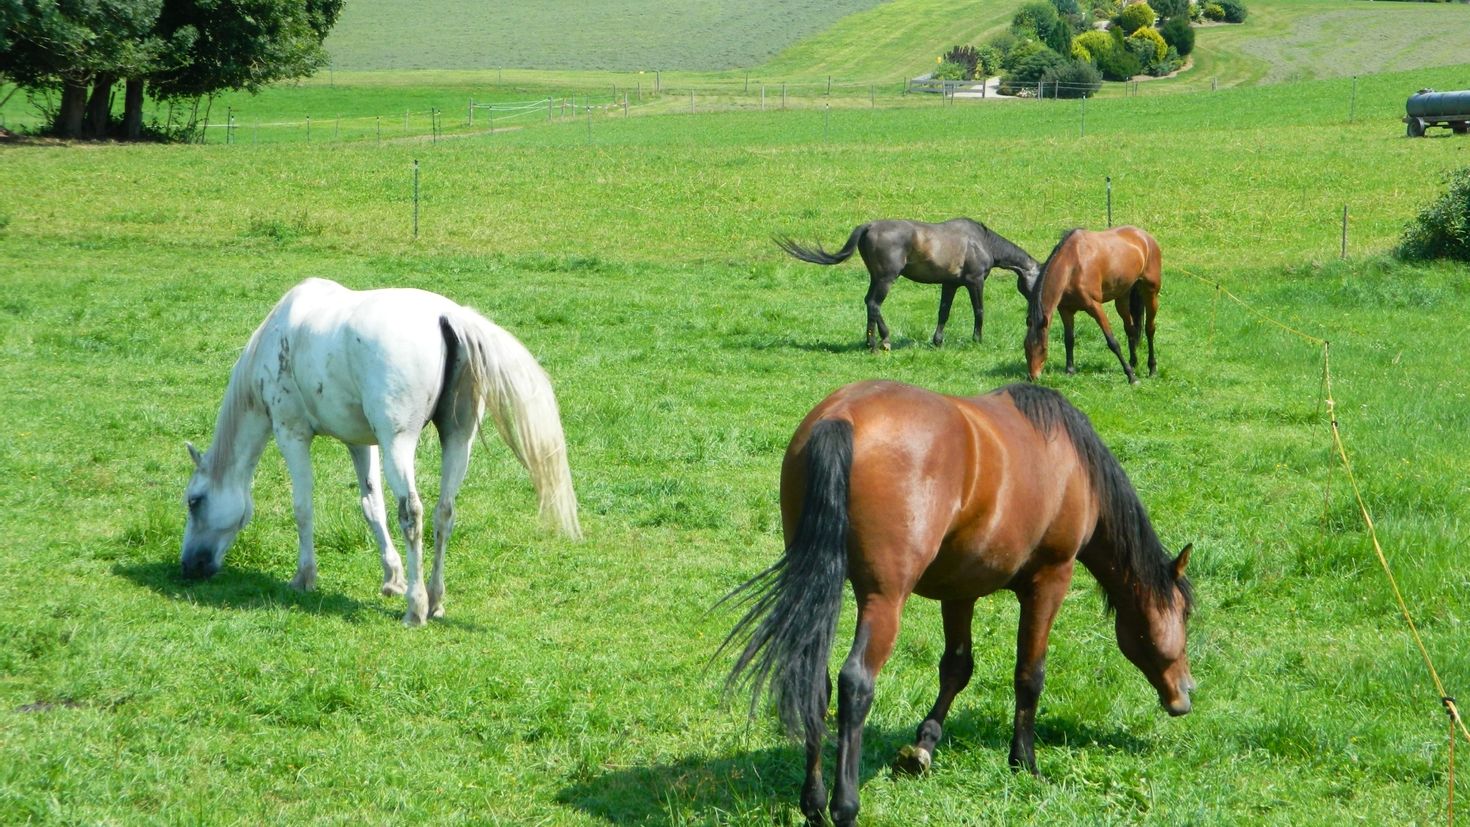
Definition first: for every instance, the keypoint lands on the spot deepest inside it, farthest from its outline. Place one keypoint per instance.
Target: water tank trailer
(1428, 108)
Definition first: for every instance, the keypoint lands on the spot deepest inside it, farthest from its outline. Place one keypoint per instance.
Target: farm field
(572, 683)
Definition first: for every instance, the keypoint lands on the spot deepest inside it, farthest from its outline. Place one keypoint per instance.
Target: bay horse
(959, 252)
(373, 368)
(1085, 270)
(902, 490)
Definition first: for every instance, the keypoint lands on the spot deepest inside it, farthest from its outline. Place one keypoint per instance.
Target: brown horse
(958, 253)
(902, 490)
(1085, 270)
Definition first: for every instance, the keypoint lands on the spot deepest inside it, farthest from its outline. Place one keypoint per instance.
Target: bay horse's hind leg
(955, 667)
(877, 627)
(1130, 310)
(369, 488)
(814, 790)
(455, 442)
(1151, 309)
(1040, 598)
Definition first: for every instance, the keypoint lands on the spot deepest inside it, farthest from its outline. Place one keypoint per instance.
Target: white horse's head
(216, 513)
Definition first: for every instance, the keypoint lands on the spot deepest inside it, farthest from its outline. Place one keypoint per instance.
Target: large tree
(179, 48)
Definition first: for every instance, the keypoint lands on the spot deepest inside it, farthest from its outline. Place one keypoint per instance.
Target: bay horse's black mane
(1033, 309)
(1124, 522)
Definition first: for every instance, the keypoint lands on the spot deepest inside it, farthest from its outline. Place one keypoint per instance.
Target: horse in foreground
(959, 252)
(1084, 271)
(371, 369)
(901, 490)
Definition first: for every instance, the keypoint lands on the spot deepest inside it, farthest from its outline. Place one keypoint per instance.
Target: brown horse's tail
(794, 604)
(819, 255)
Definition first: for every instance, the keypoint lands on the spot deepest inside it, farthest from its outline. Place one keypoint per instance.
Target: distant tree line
(70, 55)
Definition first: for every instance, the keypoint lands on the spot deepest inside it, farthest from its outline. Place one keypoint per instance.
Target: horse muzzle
(1180, 704)
(199, 564)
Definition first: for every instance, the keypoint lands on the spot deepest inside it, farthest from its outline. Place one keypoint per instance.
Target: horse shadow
(235, 588)
(827, 346)
(770, 779)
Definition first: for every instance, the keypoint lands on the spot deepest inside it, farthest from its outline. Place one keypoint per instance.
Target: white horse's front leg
(369, 486)
(398, 456)
(297, 452)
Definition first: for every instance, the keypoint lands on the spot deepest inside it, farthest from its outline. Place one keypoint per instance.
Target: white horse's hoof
(913, 760)
(437, 611)
(394, 588)
(412, 620)
(304, 581)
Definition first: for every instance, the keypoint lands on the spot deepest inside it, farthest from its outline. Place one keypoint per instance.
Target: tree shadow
(769, 780)
(235, 588)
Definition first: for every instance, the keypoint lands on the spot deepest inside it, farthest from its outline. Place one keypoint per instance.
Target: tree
(179, 48)
(1178, 33)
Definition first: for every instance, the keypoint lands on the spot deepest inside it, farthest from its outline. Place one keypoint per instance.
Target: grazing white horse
(373, 368)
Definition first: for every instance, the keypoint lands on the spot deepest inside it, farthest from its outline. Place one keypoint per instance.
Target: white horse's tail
(508, 381)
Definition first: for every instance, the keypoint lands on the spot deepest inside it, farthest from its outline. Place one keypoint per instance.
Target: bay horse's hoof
(913, 760)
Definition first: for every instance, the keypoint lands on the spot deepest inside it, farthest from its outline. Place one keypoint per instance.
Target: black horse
(958, 252)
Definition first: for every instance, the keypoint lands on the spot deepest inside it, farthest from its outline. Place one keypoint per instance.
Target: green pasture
(572, 683)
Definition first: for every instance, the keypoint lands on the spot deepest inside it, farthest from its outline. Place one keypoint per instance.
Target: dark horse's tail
(820, 256)
(794, 604)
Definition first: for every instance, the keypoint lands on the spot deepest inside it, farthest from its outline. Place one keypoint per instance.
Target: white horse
(373, 368)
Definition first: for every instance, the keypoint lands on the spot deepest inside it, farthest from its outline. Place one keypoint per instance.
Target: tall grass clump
(1442, 229)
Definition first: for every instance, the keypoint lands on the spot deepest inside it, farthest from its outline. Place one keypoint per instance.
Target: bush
(1442, 230)
(1118, 64)
(989, 65)
(1136, 16)
(1166, 64)
(1040, 18)
(949, 70)
(1072, 79)
(1233, 10)
(1178, 33)
(1214, 11)
(966, 57)
(1090, 46)
(1030, 70)
(1196, 12)
(1170, 9)
(1022, 50)
(1149, 45)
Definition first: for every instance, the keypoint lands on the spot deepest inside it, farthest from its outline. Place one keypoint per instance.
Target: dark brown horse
(902, 490)
(959, 252)
(1084, 271)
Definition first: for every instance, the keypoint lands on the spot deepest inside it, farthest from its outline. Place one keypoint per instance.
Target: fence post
(229, 122)
(829, 86)
(549, 110)
(1109, 180)
(378, 122)
(1344, 230)
(658, 82)
(472, 112)
(691, 101)
(415, 198)
(625, 103)
(827, 123)
(1353, 102)
(763, 97)
(308, 129)
(337, 128)
(783, 95)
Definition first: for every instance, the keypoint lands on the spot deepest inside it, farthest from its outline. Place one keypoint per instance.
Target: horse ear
(1182, 560)
(195, 455)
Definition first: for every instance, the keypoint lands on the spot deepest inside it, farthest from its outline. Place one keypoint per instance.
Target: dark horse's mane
(1033, 310)
(1124, 521)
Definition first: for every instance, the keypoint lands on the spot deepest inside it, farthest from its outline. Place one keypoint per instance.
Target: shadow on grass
(769, 780)
(827, 347)
(235, 588)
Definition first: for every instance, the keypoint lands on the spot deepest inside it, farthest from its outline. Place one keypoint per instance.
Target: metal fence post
(415, 198)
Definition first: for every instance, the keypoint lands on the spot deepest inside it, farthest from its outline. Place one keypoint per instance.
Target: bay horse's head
(1151, 634)
(217, 510)
(1039, 308)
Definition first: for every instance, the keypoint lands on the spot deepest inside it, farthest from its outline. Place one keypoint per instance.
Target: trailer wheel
(1416, 127)
(1461, 128)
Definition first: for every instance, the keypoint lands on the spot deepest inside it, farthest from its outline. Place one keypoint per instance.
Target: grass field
(572, 683)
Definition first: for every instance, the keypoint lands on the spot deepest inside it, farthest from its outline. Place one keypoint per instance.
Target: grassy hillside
(571, 683)
(624, 35)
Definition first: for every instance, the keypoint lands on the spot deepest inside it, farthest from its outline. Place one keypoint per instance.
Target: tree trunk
(133, 109)
(99, 108)
(73, 107)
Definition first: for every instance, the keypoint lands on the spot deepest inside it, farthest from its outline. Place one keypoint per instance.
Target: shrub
(1233, 10)
(1041, 19)
(949, 70)
(1118, 64)
(989, 65)
(1106, 9)
(1136, 16)
(1022, 50)
(1090, 46)
(1442, 229)
(1149, 45)
(1178, 33)
(1030, 70)
(1072, 79)
(1196, 12)
(1170, 9)
(966, 57)
(1214, 11)
(1168, 63)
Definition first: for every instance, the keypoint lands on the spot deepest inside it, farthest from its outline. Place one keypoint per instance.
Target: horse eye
(194, 501)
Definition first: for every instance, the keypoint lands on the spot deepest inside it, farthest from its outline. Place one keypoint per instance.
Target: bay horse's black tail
(1135, 305)
(794, 604)
(819, 255)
